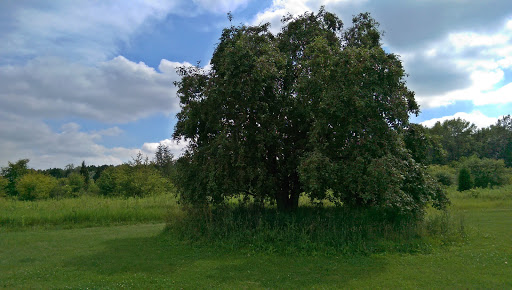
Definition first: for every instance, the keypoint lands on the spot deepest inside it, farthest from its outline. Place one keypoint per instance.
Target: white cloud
(87, 31)
(475, 117)
(33, 139)
(221, 6)
(481, 58)
(177, 147)
(114, 91)
(471, 39)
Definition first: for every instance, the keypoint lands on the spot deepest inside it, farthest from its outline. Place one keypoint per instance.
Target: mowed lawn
(143, 255)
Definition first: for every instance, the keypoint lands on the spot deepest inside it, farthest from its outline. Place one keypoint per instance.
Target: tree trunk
(287, 202)
(288, 198)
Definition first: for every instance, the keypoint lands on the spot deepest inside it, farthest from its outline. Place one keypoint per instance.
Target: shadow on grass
(163, 256)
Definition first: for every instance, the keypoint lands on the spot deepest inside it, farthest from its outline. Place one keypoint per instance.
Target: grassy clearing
(481, 198)
(142, 256)
(147, 256)
(84, 211)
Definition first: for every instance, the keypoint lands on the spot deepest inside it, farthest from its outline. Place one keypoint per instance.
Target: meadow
(94, 242)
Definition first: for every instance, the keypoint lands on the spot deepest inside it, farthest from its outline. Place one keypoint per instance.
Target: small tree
(36, 185)
(85, 173)
(3, 186)
(132, 180)
(13, 172)
(464, 179)
(485, 171)
(164, 160)
(76, 183)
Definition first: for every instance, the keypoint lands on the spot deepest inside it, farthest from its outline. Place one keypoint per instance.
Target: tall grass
(84, 211)
(497, 197)
(311, 230)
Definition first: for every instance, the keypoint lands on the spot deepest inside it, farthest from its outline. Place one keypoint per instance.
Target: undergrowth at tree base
(313, 231)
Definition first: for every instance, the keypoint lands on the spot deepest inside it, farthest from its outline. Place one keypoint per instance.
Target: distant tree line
(451, 140)
(457, 151)
(138, 177)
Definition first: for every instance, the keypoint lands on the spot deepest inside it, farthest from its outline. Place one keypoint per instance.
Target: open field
(85, 211)
(144, 255)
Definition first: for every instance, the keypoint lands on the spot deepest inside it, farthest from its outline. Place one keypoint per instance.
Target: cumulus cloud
(452, 50)
(479, 63)
(221, 6)
(33, 139)
(475, 117)
(81, 30)
(176, 147)
(114, 91)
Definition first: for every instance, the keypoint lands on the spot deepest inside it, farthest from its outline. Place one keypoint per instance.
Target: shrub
(464, 179)
(35, 185)
(76, 183)
(485, 172)
(444, 178)
(3, 186)
(132, 180)
(13, 172)
(444, 174)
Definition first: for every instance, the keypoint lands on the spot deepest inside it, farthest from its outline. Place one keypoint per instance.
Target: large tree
(456, 137)
(316, 109)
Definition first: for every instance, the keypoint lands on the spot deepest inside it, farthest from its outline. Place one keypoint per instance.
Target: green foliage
(444, 178)
(132, 180)
(4, 182)
(311, 109)
(485, 172)
(496, 141)
(424, 147)
(13, 172)
(456, 137)
(85, 173)
(34, 185)
(309, 231)
(163, 160)
(464, 181)
(459, 138)
(76, 183)
(84, 211)
(444, 174)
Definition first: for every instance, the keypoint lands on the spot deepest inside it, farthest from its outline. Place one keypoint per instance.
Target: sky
(91, 80)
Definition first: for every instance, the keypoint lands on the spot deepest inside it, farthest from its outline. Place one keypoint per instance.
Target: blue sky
(92, 80)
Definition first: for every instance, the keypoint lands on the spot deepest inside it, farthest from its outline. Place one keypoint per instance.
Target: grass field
(142, 255)
(85, 211)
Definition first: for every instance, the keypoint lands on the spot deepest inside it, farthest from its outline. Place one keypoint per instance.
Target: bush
(444, 174)
(485, 172)
(3, 186)
(35, 185)
(444, 178)
(76, 183)
(132, 180)
(464, 179)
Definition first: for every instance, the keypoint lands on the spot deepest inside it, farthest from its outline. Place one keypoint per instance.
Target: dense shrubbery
(444, 174)
(34, 185)
(464, 179)
(128, 180)
(3, 185)
(485, 172)
(135, 179)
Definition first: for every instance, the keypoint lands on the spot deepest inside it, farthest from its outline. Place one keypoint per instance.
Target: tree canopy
(315, 109)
